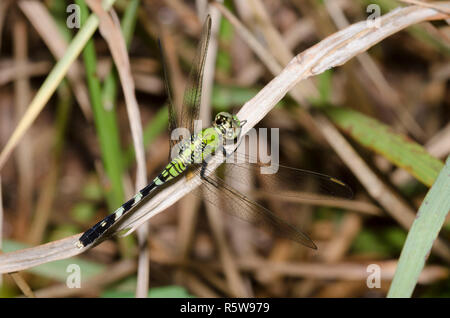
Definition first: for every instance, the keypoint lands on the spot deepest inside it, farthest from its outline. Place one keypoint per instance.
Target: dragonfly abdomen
(98, 229)
(192, 151)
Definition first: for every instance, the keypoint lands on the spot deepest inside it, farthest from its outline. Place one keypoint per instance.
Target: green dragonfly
(194, 154)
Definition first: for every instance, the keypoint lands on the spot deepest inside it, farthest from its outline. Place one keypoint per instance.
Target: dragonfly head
(228, 125)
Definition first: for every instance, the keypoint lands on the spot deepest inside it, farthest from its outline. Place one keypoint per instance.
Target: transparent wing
(193, 91)
(280, 179)
(192, 94)
(218, 192)
(173, 119)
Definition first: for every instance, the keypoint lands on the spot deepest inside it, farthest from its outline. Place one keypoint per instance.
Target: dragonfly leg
(203, 169)
(224, 152)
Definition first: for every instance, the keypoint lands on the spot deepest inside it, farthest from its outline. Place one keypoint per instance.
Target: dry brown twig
(377, 78)
(22, 94)
(234, 280)
(10, 70)
(110, 29)
(40, 18)
(437, 6)
(382, 193)
(333, 51)
(343, 270)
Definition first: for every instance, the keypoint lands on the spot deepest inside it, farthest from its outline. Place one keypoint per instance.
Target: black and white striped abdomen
(98, 229)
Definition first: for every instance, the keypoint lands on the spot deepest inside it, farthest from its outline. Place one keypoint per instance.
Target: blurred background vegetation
(76, 163)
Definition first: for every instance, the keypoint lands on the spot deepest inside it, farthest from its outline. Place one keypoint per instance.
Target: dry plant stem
(439, 145)
(377, 78)
(188, 205)
(299, 32)
(232, 274)
(22, 284)
(360, 206)
(149, 84)
(338, 246)
(189, 17)
(202, 6)
(24, 149)
(216, 280)
(29, 257)
(198, 287)
(348, 229)
(17, 278)
(272, 64)
(248, 75)
(257, 47)
(352, 40)
(187, 222)
(277, 46)
(396, 206)
(316, 270)
(40, 18)
(50, 84)
(143, 275)
(10, 71)
(44, 205)
(110, 30)
(330, 52)
(435, 6)
(235, 283)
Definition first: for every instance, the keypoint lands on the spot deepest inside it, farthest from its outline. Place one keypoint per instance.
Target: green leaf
(423, 233)
(395, 147)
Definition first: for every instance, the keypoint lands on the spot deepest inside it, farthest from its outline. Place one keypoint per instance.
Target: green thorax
(202, 146)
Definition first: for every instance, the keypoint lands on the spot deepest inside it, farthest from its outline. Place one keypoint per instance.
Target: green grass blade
(110, 85)
(52, 81)
(423, 233)
(397, 148)
(105, 124)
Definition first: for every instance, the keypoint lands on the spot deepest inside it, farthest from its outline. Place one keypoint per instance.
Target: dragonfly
(193, 155)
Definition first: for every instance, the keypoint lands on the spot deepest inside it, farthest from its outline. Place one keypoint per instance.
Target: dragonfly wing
(193, 91)
(173, 118)
(218, 192)
(192, 94)
(276, 178)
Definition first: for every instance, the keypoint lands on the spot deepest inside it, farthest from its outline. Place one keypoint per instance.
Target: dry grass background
(58, 182)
